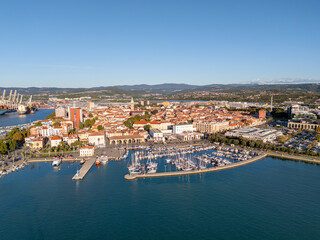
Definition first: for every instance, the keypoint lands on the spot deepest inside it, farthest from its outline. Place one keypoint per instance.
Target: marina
(188, 172)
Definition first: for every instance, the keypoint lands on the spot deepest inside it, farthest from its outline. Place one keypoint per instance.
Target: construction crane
(3, 96)
(14, 96)
(10, 95)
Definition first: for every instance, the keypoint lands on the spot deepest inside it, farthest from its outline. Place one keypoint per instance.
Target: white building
(156, 134)
(183, 128)
(266, 135)
(97, 139)
(55, 141)
(87, 151)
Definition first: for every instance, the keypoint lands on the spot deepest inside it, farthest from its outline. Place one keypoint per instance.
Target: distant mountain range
(286, 81)
(165, 89)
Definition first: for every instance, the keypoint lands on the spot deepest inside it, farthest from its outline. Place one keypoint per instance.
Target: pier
(82, 172)
(85, 168)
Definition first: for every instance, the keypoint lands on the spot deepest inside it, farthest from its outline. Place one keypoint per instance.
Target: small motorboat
(98, 162)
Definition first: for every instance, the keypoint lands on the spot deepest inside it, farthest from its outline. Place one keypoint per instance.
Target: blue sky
(101, 43)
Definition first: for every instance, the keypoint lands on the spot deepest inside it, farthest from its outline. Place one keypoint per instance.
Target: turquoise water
(268, 199)
(14, 118)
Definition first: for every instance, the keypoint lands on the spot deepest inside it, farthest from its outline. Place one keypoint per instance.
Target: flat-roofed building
(156, 135)
(182, 128)
(87, 151)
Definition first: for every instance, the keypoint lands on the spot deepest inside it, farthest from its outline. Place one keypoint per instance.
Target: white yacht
(56, 162)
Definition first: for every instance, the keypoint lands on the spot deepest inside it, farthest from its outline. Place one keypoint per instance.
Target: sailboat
(135, 166)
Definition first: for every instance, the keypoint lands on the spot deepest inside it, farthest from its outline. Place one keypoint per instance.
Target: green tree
(147, 127)
(89, 123)
(100, 128)
(3, 147)
(18, 137)
(154, 111)
(12, 144)
(56, 124)
(72, 131)
(90, 115)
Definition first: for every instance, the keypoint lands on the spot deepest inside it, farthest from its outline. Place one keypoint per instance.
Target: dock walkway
(85, 168)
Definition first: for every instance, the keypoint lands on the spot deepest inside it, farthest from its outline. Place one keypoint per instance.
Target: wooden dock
(84, 170)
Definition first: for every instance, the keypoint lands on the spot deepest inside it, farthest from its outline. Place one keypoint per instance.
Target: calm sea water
(268, 199)
(13, 118)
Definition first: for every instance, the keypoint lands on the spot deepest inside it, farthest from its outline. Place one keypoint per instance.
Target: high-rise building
(75, 115)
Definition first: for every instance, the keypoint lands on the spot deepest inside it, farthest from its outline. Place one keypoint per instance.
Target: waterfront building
(127, 139)
(87, 151)
(156, 135)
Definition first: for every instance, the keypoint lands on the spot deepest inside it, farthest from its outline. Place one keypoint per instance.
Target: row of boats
(136, 167)
(184, 160)
(101, 159)
(12, 169)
